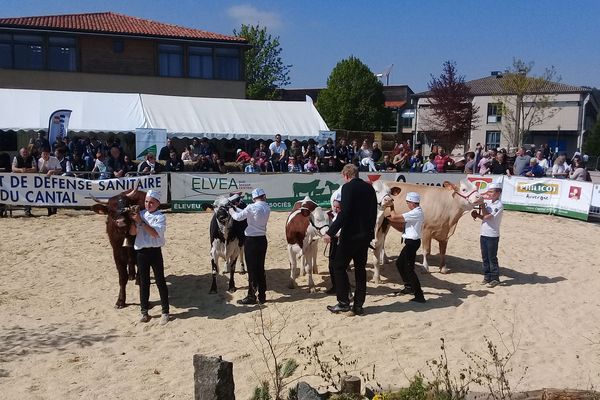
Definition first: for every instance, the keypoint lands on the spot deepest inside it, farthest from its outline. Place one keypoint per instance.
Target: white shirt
(429, 167)
(543, 163)
(491, 227)
(257, 215)
(414, 223)
(156, 220)
(277, 149)
(52, 164)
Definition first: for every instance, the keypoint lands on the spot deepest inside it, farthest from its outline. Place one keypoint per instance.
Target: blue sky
(416, 36)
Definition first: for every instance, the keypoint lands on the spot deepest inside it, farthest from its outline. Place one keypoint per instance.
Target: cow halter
(466, 197)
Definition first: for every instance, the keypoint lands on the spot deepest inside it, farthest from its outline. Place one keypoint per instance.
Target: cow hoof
(444, 270)
(120, 304)
(131, 277)
(232, 289)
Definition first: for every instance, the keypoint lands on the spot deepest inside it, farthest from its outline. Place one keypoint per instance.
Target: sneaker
(493, 283)
(145, 318)
(164, 319)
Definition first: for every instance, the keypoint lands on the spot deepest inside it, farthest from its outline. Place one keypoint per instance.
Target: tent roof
(180, 116)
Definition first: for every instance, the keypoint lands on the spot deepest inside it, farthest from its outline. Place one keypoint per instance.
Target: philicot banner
(149, 141)
(193, 192)
(549, 196)
(57, 190)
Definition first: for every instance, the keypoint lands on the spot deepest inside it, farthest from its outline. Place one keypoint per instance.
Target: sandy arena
(61, 338)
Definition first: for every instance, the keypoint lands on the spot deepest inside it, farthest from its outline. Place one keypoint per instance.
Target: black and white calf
(227, 241)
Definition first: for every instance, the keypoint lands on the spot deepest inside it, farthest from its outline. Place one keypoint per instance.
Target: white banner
(549, 196)
(58, 125)
(57, 190)
(482, 182)
(149, 141)
(192, 192)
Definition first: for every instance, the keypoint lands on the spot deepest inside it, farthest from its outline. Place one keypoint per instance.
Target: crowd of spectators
(95, 159)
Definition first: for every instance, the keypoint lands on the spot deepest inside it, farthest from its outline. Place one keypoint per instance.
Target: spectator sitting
(165, 152)
(521, 161)
(261, 156)
(376, 154)
(560, 169)
(242, 157)
(484, 164)
(311, 165)
(499, 166)
(542, 162)
(150, 165)
(174, 163)
(430, 165)
(401, 161)
(100, 166)
(279, 154)
(387, 165)
(533, 169)
(128, 163)
(353, 151)
(416, 162)
(79, 165)
(330, 166)
(578, 171)
(329, 152)
(294, 165)
(365, 156)
(65, 164)
(295, 149)
(115, 163)
(442, 161)
(188, 154)
(342, 154)
(252, 168)
(470, 163)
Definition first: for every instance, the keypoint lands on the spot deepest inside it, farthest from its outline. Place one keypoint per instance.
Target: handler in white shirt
(491, 217)
(255, 245)
(405, 263)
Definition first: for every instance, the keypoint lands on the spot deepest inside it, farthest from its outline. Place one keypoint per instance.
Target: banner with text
(482, 182)
(193, 192)
(57, 190)
(549, 196)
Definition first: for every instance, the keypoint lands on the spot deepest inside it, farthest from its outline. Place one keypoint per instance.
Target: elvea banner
(149, 141)
(58, 125)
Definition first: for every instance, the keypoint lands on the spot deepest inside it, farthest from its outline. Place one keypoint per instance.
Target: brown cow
(118, 210)
(305, 225)
(443, 207)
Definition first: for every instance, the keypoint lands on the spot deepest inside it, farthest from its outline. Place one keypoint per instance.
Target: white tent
(180, 116)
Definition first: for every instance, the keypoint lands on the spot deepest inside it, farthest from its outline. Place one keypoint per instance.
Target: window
(407, 122)
(227, 64)
(61, 54)
(492, 139)
(29, 52)
(201, 62)
(170, 60)
(494, 113)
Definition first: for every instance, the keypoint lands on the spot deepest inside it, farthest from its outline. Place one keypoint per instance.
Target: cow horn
(133, 192)
(99, 201)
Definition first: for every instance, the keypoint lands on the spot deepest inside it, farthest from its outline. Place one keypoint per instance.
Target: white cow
(305, 225)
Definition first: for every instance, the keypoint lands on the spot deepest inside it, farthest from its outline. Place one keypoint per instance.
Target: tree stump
(213, 378)
(350, 385)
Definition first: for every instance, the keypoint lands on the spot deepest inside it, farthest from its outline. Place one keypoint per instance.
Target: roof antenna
(386, 72)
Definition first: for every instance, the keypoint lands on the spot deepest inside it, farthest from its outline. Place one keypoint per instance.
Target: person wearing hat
(356, 221)
(149, 228)
(255, 245)
(413, 227)
(491, 217)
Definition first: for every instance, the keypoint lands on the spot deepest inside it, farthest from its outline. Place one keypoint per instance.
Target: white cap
(238, 151)
(495, 186)
(413, 197)
(155, 194)
(336, 196)
(258, 192)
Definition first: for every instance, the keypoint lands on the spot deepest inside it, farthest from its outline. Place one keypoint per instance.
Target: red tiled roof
(395, 104)
(109, 22)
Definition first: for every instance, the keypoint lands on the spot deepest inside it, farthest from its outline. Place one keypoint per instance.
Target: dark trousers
(146, 258)
(332, 250)
(406, 266)
(255, 251)
(489, 254)
(347, 250)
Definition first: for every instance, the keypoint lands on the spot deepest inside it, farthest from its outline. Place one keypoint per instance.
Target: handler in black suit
(357, 222)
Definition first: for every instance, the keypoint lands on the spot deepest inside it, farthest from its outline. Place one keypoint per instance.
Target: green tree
(265, 70)
(525, 100)
(591, 144)
(451, 114)
(353, 99)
